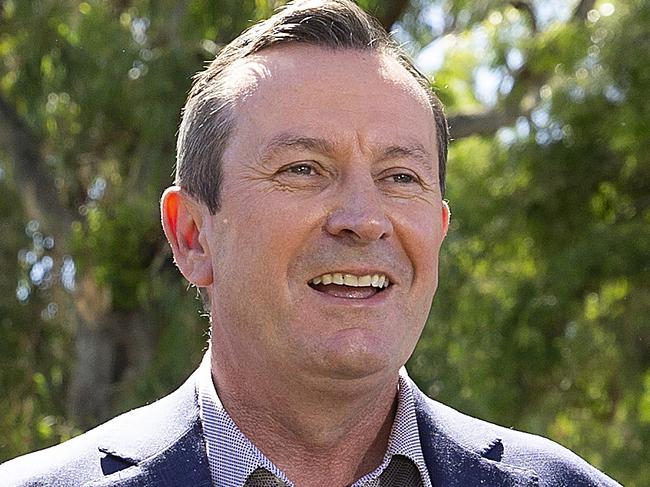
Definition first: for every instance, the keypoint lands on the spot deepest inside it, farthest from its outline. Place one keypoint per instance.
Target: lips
(351, 286)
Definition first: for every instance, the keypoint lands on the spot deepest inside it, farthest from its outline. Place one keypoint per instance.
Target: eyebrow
(415, 151)
(291, 141)
(287, 140)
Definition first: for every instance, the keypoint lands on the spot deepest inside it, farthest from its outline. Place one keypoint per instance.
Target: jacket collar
(159, 445)
(162, 445)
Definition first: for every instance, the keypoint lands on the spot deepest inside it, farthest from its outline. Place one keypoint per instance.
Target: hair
(208, 115)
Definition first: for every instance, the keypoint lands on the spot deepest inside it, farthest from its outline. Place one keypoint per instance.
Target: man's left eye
(301, 169)
(403, 178)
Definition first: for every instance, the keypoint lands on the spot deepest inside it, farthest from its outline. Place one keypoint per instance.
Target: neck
(318, 432)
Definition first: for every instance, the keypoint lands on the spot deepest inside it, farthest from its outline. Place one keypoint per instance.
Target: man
(309, 210)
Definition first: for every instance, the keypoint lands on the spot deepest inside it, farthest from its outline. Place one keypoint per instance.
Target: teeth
(374, 280)
(350, 280)
(365, 280)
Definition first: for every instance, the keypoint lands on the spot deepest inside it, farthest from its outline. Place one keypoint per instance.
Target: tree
(541, 321)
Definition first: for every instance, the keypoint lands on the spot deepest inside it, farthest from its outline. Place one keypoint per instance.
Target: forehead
(325, 92)
(309, 62)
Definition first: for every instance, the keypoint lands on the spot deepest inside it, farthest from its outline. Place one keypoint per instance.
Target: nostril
(359, 227)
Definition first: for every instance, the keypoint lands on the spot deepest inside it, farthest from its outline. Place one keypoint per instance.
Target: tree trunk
(112, 350)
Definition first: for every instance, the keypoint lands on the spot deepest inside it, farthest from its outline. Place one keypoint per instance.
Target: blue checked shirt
(236, 462)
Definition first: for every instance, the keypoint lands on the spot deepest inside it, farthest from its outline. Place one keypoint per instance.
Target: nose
(359, 214)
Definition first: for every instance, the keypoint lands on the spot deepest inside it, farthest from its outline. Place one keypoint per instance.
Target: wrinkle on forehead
(362, 101)
(244, 76)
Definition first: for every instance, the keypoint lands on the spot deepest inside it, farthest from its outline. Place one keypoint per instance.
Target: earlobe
(183, 221)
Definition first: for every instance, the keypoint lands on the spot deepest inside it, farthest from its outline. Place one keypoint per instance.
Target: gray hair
(208, 117)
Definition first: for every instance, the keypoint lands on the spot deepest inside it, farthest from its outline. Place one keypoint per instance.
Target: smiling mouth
(350, 286)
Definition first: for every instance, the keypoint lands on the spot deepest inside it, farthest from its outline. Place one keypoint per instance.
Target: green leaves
(540, 321)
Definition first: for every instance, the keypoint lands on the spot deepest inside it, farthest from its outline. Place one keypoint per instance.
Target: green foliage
(101, 85)
(540, 321)
(112, 247)
(35, 349)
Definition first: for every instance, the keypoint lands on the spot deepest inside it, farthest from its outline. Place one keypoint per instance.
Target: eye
(402, 178)
(305, 174)
(301, 169)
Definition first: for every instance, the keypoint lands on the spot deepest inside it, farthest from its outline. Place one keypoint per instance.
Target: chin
(357, 356)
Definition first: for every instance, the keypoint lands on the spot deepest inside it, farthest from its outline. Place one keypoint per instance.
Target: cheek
(422, 236)
(264, 233)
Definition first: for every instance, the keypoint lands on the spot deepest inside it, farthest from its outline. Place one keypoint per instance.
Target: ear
(185, 222)
(446, 217)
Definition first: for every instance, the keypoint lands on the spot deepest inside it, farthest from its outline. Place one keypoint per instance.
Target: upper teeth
(374, 280)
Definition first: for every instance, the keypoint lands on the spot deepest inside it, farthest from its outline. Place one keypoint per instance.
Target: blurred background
(541, 319)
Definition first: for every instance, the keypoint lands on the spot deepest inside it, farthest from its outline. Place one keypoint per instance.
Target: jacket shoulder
(554, 464)
(111, 447)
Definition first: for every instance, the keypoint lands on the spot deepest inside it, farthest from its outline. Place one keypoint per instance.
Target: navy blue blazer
(162, 445)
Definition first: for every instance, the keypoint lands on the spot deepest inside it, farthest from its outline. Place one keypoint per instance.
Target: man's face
(331, 170)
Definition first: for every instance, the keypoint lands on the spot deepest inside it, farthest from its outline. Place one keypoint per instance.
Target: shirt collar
(232, 457)
(404, 436)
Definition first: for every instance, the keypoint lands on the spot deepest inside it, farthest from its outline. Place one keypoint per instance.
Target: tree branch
(36, 186)
(525, 6)
(391, 12)
(481, 123)
(583, 8)
(489, 122)
(169, 35)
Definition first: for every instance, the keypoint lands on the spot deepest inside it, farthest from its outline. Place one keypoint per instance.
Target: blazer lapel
(158, 445)
(456, 457)
(183, 464)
